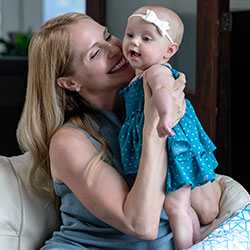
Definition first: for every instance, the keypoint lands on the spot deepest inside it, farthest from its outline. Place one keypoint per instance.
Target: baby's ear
(171, 50)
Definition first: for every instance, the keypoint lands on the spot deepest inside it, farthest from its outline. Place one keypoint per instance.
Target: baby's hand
(164, 127)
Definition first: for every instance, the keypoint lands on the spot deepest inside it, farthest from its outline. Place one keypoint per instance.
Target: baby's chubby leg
(205, 200)
(182, 218)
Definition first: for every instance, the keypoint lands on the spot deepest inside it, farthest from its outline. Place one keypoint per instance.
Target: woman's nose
(112, 50)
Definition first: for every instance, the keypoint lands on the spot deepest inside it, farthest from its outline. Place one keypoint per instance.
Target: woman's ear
(171, 50)
(66, 83)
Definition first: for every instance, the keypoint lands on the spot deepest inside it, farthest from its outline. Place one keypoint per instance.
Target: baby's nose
(135, 41)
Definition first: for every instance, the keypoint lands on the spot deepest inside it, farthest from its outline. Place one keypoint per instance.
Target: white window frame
(20, 15)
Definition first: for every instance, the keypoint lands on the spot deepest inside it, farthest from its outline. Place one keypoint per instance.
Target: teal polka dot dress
(190, 151)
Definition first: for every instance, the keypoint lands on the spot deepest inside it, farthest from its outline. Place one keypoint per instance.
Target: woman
(70, 125)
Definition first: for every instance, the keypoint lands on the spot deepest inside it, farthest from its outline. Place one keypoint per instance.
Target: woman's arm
(135, 212)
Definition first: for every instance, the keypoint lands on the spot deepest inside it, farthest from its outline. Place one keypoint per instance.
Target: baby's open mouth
(134, 54)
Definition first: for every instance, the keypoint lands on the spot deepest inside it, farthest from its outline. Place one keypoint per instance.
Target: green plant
(17, 45)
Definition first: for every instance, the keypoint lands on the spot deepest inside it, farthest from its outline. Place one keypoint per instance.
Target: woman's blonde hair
(47, 106)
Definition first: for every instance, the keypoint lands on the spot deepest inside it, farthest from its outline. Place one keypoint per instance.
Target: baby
(153, 35)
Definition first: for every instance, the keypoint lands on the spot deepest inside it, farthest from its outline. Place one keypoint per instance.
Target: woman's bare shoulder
(69, 148)
(68, 135)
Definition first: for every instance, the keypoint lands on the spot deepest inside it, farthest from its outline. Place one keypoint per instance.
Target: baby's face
(143, 45)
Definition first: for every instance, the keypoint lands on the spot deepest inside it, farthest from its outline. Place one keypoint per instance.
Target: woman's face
(98, 63)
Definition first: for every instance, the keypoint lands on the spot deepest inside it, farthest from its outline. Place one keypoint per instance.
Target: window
(58, 7)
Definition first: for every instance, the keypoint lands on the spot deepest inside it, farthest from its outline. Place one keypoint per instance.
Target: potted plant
(17, 44)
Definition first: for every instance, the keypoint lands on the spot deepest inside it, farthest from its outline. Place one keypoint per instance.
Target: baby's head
(152, 36)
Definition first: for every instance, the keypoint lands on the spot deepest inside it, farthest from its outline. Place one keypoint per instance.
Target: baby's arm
(160, 80)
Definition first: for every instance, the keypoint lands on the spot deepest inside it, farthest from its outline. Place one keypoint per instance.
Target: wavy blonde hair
(47, 106)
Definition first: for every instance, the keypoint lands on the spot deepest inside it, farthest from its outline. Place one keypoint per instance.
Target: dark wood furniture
(240, 57)
(13, 78)
(96, 9)
(211, 96)
(220, 97)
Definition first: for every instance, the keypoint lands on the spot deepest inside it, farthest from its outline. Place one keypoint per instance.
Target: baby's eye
(146, 38)
(129, 35)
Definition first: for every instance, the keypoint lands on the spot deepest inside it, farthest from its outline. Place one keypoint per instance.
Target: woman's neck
(106, 101)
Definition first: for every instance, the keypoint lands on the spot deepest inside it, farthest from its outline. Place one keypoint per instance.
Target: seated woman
(70, 123)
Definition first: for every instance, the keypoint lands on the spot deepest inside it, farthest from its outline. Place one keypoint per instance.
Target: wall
(20, 15)
(239, 5)
(117, 13)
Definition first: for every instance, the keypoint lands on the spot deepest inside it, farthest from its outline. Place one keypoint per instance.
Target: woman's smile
(119, 66)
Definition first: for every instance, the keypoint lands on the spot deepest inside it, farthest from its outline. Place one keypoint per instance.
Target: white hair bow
(162, 26)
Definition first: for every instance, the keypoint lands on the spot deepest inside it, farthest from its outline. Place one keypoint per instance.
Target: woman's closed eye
(108, 37)
(94, 54)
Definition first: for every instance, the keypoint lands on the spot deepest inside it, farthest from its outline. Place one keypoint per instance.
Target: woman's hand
(179, 106)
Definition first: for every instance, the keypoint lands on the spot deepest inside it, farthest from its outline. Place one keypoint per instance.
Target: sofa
(27, 220)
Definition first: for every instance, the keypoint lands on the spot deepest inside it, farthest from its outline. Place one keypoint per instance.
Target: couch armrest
(26, 220)
(233, 197)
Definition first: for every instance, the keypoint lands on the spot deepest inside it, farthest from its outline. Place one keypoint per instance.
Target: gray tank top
(82, 230)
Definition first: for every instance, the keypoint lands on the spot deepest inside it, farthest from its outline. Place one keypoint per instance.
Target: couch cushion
(233, 197)
(26, 220)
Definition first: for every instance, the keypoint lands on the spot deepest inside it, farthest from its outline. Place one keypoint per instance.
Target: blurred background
(29, 15)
